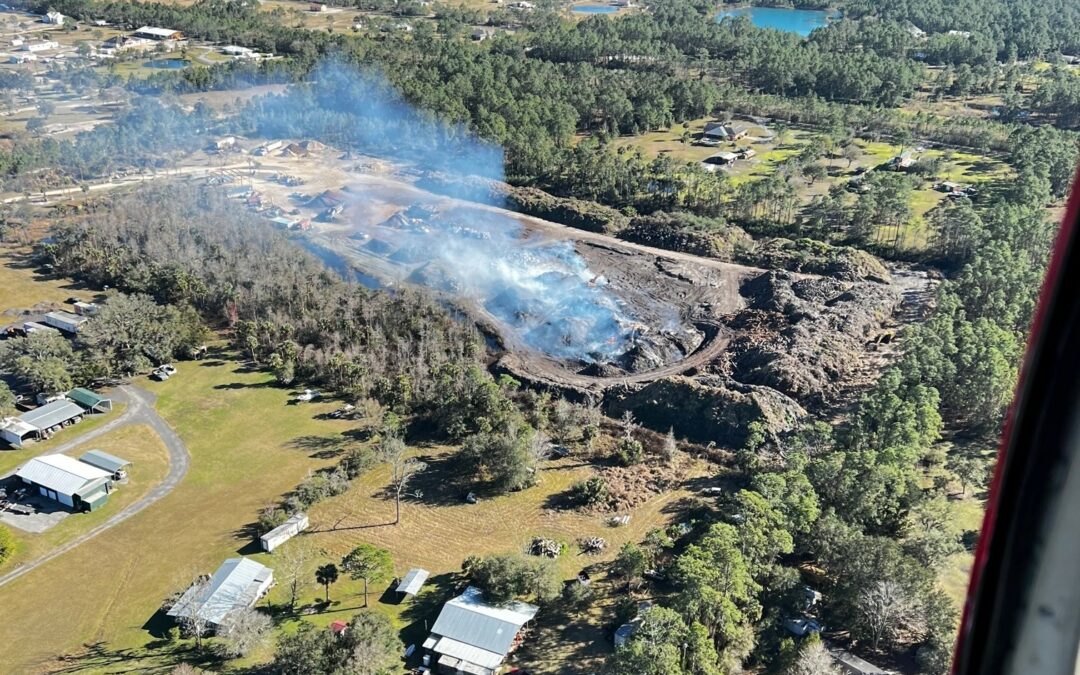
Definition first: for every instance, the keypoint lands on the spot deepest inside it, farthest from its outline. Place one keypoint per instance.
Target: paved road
(140, 410)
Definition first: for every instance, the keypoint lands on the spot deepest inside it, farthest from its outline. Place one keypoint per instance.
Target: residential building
(64, 479)
(239, 583)
(472, 636)
(86, 308)
(55, 18)
(730, 131)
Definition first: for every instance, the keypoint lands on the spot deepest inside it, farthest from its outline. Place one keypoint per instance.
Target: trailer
(284, 532)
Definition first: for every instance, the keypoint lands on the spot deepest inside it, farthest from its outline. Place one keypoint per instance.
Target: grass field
(967, 514)
(22, 289)
(136, 443)
(248, 447)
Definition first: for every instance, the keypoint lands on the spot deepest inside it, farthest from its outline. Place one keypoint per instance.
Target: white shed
(284, 532)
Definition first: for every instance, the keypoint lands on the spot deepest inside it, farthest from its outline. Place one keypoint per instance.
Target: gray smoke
(541, 290)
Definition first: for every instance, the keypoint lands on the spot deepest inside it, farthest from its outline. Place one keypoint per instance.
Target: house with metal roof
(80, 486)
(89, 400)
(472, 636)
(40, 422)
(106, 462)
(413, 582)
(237, 584)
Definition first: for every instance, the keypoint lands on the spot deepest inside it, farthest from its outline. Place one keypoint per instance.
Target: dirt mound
(706, 407)
(821, 328)
(815, 257)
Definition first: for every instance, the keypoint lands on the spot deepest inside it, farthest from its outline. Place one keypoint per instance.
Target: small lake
(594, 9)
(799, 21)
(168, 64)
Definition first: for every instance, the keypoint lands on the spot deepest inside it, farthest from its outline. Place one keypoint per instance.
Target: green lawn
(968, 515)
(150, 463)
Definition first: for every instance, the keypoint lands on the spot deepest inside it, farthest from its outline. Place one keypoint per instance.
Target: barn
(76, 484)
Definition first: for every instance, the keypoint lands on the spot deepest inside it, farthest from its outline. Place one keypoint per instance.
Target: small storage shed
(106, 462)
(284, 532)
(90, 401)
(413, 582)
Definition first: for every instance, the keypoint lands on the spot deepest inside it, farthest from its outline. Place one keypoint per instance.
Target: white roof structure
(472, 631)
(156, 32)
(60, 473)
(237, 584)
(413, 581)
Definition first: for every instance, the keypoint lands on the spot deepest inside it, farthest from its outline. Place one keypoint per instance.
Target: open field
(22, 288)
(137, 444)
(967, 515)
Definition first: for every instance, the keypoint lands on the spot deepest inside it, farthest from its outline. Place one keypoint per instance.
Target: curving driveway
(140, 410)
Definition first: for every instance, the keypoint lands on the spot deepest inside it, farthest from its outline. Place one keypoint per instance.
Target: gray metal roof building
(67, 480)
(51, 414)
(472, 636)
(237, 584)
(104, 461)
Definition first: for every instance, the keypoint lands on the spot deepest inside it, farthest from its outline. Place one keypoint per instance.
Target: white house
(296, 524)
(55, 18)
(237, 584)
(237, 51)
(66, 321)
(472, 636)
(67, 480)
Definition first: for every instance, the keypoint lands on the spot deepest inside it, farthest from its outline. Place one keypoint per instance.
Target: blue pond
(800, 21)
(168, 64)
(594, 9)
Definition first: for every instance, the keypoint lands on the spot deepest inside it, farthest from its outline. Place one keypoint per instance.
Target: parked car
(308, 395)
(169, 369)
(159, 375)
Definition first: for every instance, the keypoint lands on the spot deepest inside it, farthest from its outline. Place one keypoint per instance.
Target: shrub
(589, 492)
(577, 594)
(270, 517)
(629, 452)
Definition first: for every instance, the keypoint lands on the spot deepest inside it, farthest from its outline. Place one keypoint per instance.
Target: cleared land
(960, 167)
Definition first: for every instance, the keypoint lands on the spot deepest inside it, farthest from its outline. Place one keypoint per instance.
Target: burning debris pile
(540, 291)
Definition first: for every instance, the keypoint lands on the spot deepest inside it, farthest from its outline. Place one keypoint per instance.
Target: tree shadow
(244, 385)
(323, 447)
(438, 482)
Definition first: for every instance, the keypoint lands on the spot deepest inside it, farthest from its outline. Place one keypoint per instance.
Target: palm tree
(326, 575)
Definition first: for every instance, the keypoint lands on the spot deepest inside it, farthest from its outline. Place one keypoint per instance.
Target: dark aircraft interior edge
(1022, 615)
